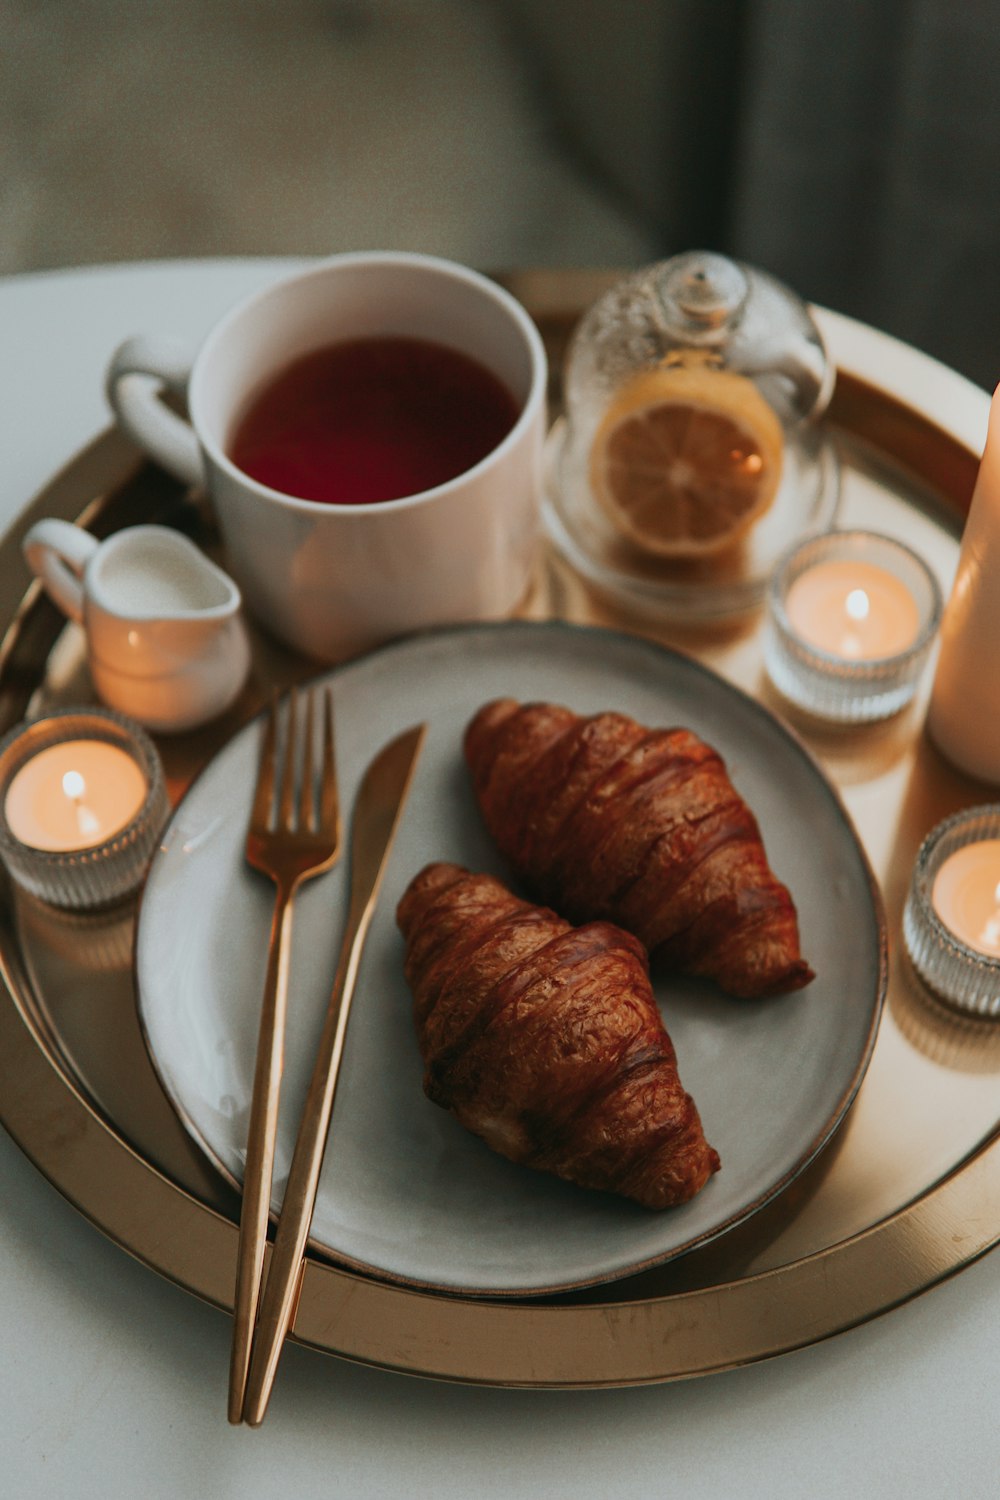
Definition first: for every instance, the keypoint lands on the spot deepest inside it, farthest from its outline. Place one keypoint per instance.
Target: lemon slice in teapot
(686, 458)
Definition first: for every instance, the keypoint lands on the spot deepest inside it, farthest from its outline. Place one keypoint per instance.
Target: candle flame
(73, 785)
(857, 604)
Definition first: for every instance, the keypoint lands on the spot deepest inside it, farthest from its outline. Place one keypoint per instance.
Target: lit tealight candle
(82, 804)
(966, 896)
(851, 619)
(853, 609)
(74, 795)
(951, 920)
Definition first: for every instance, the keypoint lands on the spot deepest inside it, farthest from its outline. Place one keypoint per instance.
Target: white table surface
(116, 1380)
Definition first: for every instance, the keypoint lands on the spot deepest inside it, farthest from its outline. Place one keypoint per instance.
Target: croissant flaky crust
(545, 1040)
(608, 820)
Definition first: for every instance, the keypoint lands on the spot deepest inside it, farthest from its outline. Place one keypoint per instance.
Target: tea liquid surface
(372, 419)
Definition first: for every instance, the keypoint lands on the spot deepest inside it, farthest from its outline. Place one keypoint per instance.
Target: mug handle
(138, 368)
(57, 553)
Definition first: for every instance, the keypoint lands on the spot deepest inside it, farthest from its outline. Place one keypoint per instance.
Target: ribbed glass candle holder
(100, 870)
(839, 687)
(952, 967)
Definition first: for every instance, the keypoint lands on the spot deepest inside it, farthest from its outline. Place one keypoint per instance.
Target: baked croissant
(545, 1040)
(608, 820)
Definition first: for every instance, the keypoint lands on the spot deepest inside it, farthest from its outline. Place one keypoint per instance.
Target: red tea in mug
(372, 419)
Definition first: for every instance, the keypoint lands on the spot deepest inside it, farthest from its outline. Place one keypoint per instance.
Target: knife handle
(281, 1290)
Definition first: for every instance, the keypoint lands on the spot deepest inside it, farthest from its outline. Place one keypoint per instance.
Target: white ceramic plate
(406, 1193)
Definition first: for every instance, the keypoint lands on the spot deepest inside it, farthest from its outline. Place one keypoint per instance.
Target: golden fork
(377, 810)
(294, 834)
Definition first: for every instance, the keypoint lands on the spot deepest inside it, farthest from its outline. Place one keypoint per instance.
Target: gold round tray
(906, 1194)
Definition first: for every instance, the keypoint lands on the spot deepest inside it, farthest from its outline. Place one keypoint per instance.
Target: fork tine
(260, 814)
(329, 806)
(287, 808)
(307, 800)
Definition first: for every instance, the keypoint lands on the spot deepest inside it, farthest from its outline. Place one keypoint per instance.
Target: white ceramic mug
(331, 580)
(166, 642)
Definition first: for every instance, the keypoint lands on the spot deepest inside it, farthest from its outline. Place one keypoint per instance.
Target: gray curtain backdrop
(851, 147)
(867, 164)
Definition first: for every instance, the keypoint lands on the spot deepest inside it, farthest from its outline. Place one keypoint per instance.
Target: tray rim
(510, 1343)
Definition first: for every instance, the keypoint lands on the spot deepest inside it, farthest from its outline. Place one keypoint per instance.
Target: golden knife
(376, 815)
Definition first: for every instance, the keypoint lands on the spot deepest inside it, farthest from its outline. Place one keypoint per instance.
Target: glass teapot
(692, 453)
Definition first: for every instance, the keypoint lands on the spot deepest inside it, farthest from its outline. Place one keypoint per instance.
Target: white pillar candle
(966, 896)
(74, 795)
(964, 716)
(853, 609)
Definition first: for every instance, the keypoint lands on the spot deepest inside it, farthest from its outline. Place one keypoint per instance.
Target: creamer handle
(57, 553)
